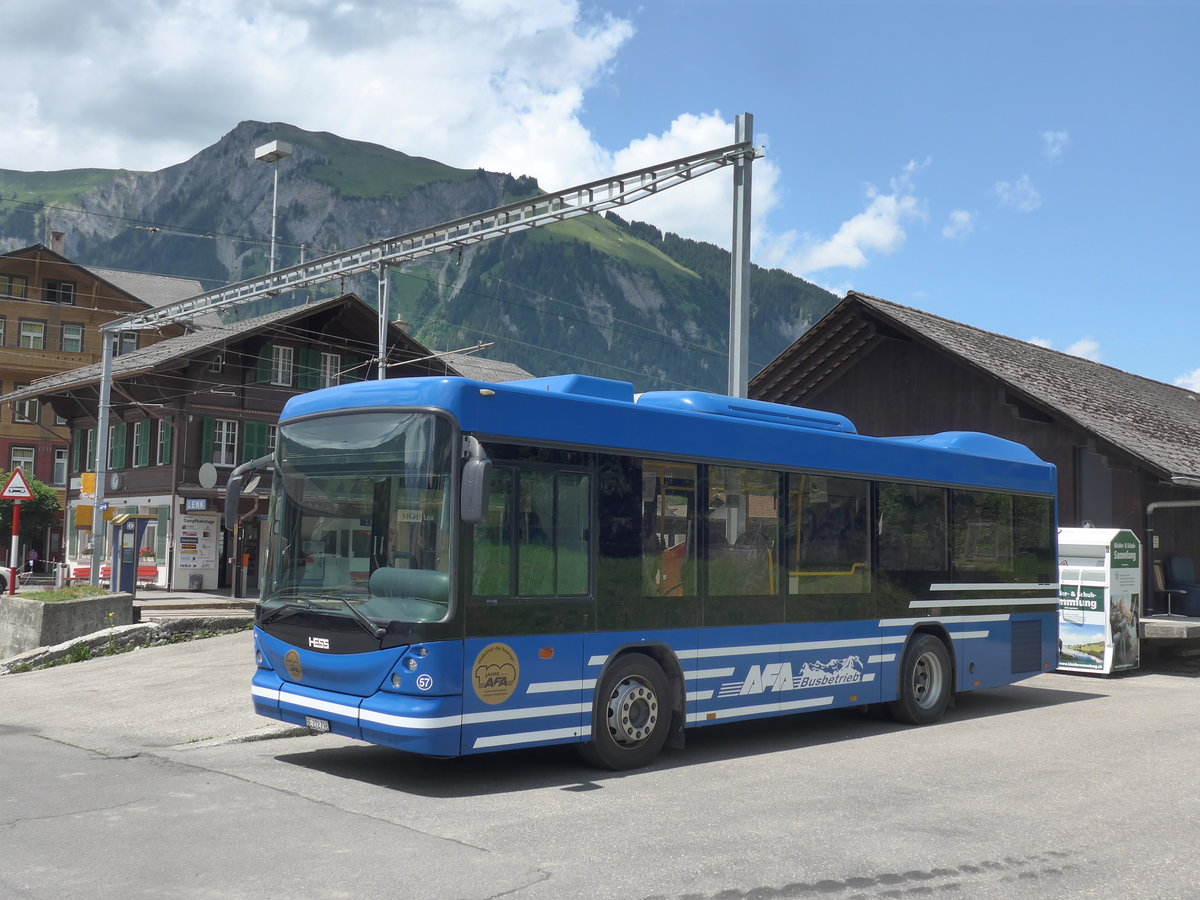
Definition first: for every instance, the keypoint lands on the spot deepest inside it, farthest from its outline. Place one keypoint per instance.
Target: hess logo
(318, 643)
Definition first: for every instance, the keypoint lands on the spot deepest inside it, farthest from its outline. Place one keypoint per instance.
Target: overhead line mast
(546, 209)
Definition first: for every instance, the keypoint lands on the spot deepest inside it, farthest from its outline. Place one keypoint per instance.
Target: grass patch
(73, 592)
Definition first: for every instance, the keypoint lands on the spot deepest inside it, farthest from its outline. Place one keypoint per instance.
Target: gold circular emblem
(292, 661)
(495, 673)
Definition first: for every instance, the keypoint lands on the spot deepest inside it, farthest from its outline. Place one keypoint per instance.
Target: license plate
(316, 724)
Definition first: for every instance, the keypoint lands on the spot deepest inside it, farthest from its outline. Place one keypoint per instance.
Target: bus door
(529, 603)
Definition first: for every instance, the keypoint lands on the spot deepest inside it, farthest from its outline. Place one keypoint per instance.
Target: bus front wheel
(924, 689)
(631, 716)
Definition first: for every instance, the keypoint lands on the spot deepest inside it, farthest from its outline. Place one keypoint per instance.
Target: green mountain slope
(597, 295)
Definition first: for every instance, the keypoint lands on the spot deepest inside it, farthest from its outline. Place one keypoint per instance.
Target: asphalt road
(148, 775)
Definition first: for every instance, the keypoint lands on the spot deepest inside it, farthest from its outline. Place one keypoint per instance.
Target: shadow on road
(546, 767)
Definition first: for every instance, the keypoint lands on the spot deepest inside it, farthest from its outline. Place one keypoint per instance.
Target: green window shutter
(141, 450)
(206, 442)
(116, 453)
(160, 536)
(264, 365)
(77, 451)
(254, 440)
(309, 376)
(91, 450)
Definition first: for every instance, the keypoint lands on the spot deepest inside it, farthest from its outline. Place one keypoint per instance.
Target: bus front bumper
(427, 725)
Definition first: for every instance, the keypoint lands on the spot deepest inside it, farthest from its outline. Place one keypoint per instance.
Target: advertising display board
(1099, 599)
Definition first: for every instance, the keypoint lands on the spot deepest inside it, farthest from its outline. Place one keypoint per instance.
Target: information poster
(197, 543)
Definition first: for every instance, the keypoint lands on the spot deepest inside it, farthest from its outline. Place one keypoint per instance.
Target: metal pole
(739, 256)
(274, 211)
(102, 417)
(383, 323)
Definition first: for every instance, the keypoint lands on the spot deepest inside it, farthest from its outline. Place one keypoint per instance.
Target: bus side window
(492, 576)
(829, 543)
(668, 529)
(912, 528)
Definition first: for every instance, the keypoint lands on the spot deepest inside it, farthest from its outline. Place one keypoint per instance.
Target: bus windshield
(360, 518)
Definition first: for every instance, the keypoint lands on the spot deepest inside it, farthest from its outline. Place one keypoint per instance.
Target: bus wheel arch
(925, 680)
(634, 711)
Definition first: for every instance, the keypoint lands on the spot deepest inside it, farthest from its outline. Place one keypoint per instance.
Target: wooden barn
(1127, 448)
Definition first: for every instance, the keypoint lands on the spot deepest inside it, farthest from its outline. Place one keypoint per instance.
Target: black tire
(925, 682)
(631, 715)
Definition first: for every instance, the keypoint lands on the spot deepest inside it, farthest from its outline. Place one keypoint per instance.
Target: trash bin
(195, 582)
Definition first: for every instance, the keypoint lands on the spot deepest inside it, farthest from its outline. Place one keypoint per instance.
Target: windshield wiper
(376, 631)
(290, 607)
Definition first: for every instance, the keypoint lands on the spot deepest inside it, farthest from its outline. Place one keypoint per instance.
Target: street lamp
(273, 153)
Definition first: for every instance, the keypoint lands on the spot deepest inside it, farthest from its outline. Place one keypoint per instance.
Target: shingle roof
(481, 369)
(1156, 423)
(157, 290)
(181, 348)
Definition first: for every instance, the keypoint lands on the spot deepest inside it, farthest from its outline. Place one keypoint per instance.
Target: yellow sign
(495, 673)
(87, 485)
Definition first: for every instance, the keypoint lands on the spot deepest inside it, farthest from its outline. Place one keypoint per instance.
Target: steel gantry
(545, 209)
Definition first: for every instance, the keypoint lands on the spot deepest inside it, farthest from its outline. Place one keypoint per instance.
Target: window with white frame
(162, 456)
(141, 442)
(22, 458)
(14, 286)
(55, 291)
(281, 365)
(224, 445)
(72, 338)
(60, 465)
(33, 335)
(331, 369)
(26, 411)
(272, 433)
(125, 342)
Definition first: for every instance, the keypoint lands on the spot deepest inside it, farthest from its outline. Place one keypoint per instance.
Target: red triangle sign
(16, 488)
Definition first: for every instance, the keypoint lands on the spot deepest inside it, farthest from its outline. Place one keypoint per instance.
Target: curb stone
(121, 638)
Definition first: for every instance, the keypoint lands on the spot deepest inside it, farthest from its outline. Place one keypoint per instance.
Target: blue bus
(456, 567)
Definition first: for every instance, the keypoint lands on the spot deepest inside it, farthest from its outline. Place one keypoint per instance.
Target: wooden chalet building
(51, 310)
(1127, 448)
(187, 410)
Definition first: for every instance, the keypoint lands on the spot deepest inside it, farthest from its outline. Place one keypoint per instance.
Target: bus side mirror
(233, 487)
(476, 472)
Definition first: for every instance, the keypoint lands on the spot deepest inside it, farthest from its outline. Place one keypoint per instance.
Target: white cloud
(1087, 348)
(960, 225)
(877, 230)
(1019, 195)
(143, 84)
(498, 84)
(1191, 380)
(1054, 142)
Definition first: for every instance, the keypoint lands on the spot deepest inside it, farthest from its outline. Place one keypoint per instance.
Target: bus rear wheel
(924, 682)
(631, 715)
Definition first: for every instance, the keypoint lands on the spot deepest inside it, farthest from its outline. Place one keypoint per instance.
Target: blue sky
(1025, 167)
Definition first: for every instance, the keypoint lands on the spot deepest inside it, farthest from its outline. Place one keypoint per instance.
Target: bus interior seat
(422, 583)
(1181, 578)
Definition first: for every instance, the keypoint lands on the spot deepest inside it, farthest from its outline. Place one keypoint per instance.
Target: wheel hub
(632, 712)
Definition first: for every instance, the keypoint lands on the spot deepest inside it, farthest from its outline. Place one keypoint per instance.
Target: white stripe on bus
(1041, 586)
(736, 711)
(963, 602)
(551, 687)
(528, 737)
